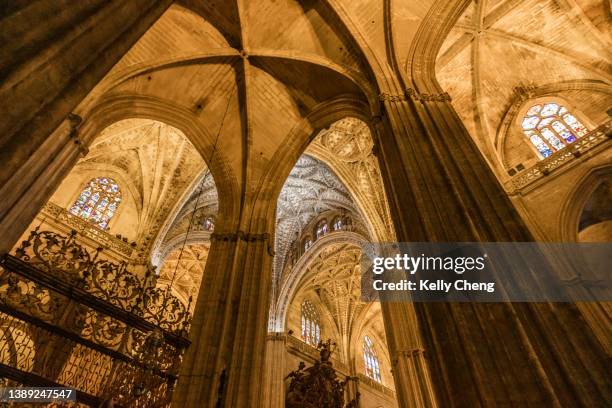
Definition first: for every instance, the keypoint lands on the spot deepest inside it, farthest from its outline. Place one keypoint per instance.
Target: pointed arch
(577, 198)
(370, 357)
(311, 323)
(292, 283)
(550, 126)
(552, 91)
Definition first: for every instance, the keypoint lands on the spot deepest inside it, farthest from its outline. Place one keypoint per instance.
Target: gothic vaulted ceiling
(335, 277)
(181, 248)
(347, 147)
(202, 198)
(183, 269)
(155, 163)
(247, 74)
(338, 171)
(500, 49)
(311, 189)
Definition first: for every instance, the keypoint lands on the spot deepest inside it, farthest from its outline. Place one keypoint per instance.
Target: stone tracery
(187, 221)
(328, 268)
(483, 91)
(185, 274)
(198, 42)
(348, 148)
(156, 162)
(336, 278)
(322, 215)
(311, 189)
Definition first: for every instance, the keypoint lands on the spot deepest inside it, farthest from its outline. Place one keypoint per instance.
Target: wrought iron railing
(70, 318)
(561, 158)
(60, 257)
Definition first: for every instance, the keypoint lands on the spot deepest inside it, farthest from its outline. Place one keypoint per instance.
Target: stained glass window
(372, 367)
(338, 224)
(311, 329)
(209, 224)
(307, 244)
(322, 229)
(98, 201)
(550, 127)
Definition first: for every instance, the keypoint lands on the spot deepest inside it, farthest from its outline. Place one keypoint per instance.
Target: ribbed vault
(335, 277)
(348, 148)
(153, 163)
(253, 93)
(311, 189)
(183, 270)
(501, 50)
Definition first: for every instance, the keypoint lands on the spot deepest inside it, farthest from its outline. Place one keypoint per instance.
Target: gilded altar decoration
(318, 386)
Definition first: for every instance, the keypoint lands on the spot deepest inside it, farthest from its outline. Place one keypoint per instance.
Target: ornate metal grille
(70, 318)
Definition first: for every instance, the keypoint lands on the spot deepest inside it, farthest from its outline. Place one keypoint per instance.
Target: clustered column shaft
(441, 189)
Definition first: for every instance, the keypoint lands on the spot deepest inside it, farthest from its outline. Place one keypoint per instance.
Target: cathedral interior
(187, 186)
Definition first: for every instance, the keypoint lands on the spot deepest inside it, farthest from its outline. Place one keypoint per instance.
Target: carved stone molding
(441, 97)
(243, 236)
(385, 97)
(217, 236)
(364, 380)
(277, 336)
(412, 94)
(593, 142)
(409, 353)
(415, 96)
(523, 93)
(86, 229)
(239, 235)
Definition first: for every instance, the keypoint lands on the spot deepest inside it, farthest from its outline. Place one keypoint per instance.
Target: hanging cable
(202, 183)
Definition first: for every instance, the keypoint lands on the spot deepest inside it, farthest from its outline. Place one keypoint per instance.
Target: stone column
(274, 385)
(599, 317)
(352, 389)
(441, 189)
(410, 370)
(43, 171)
(224, 366)
(52, 53)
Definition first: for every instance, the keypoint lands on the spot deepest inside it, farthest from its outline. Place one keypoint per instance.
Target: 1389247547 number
(37, 394)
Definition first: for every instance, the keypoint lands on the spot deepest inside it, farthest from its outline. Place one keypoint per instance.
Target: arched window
(550, 127)
(338, 224)
(307, 244)
(209, 224)
(322, 229)
(311, 330)
(98, 201)
(372, 367)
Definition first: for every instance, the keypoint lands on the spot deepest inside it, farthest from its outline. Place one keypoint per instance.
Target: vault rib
(548, 50)
(455, 49)
(244, 79)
